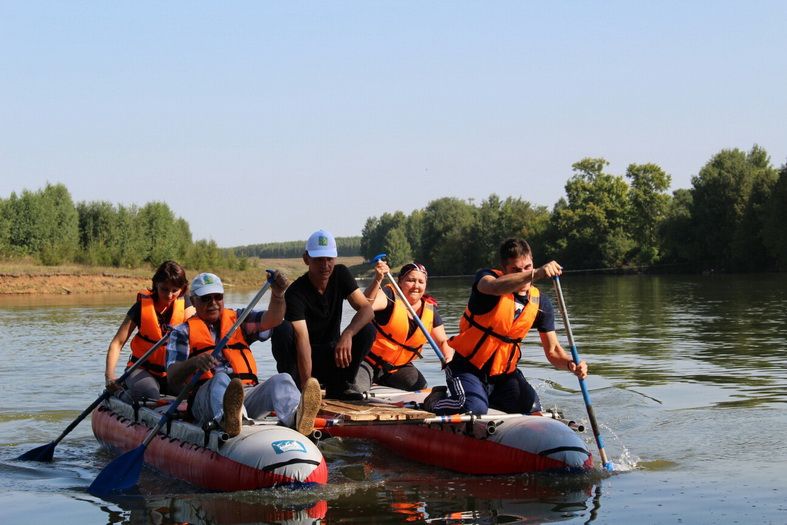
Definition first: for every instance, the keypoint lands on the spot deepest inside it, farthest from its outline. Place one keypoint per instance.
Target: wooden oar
(585, 395)
(431, 420)
(46, 452)
(123, 472)
(410, 309)
(401, 393)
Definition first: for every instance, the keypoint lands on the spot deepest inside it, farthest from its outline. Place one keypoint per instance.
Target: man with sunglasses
(229, 385)
(503, 306)
(309, 343)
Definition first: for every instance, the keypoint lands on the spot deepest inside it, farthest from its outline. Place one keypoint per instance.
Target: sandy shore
(23, 277)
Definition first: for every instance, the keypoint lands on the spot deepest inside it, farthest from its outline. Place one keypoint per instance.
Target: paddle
(452, 419)
(410, 309)
(586, 396)
(368, 395)
(46, 452)
(123, 472)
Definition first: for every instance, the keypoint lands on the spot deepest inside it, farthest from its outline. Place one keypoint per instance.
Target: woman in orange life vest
(155, 313)
(502, 308)
(399, 340)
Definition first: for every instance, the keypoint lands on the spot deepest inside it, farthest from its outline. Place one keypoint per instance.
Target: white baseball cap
(321, 244)
(206, 283)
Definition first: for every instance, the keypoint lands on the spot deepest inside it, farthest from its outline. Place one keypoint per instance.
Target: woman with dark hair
(155, 312)
(399, 339)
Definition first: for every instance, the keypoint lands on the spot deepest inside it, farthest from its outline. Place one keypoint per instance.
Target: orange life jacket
(237, 353)
(392, 349)
(149, 332)
(496, 335)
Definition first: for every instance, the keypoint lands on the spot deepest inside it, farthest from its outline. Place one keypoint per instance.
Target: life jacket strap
(414, 349)
(491, 332)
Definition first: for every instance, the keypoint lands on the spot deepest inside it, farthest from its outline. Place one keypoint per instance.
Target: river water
(688, 382)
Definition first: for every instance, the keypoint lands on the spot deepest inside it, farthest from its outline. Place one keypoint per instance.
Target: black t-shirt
(322, 312)
(481, 303)
(384, 315)
(163, 319)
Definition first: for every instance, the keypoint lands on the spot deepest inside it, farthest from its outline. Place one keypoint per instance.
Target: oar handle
(585, 394)
(410, 309)
(216, 353)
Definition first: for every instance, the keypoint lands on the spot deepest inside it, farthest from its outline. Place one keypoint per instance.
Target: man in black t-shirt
(309, 343)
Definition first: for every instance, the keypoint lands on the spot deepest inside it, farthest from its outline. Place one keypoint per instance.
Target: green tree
(183, 240)
(589, 227)
(397, 247)
(163, 237)
(98, 226)
(5, 229)
(204, 255)
(415, 230)
(648, 203)
(376, 237)
(498, 220)
(775, 219)
(129, 247)
(24, 235)
(43, 224)
(446, 227)
(676, 232)
(726, 218)
(59, 225)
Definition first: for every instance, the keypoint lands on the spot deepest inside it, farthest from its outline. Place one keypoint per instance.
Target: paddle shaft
(107, 393)
(450, 419)
(195, 379)
(575, 356)
(46, 452)
(368, 395)
(417, 319)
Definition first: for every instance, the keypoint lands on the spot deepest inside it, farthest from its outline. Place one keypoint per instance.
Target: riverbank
(24, 277)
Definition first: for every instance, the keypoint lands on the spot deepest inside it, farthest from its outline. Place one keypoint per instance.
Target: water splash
(626, 462)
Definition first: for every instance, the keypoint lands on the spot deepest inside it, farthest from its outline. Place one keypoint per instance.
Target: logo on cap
(322, 240)
(207, 279)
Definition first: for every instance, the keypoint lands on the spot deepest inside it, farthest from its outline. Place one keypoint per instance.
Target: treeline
(732, 219)
(48, 226)
(345, 246)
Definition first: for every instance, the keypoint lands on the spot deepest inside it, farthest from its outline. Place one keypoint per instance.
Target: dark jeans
(334, 379)
(406, 378)
(472, 391)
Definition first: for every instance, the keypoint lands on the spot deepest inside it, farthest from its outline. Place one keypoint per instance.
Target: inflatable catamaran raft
(496, 443)
(262, 456)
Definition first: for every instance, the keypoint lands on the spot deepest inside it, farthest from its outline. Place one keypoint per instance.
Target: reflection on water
(687, 381)
(218, 509)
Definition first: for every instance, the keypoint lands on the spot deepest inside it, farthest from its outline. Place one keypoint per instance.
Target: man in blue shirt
(230, 385)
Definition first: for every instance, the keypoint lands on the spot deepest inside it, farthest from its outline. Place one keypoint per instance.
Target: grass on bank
(252, 277)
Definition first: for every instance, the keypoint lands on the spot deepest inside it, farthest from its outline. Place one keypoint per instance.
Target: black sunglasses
(209, 298)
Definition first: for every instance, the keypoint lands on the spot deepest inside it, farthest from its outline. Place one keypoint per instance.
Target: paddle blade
(42, 453)
(121, 474)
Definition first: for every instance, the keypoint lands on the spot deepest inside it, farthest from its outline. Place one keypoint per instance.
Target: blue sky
(261, 121)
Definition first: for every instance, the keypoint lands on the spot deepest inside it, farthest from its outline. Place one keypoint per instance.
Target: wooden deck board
(365, 411)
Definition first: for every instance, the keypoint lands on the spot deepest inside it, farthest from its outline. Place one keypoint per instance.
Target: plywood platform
(368, 411)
